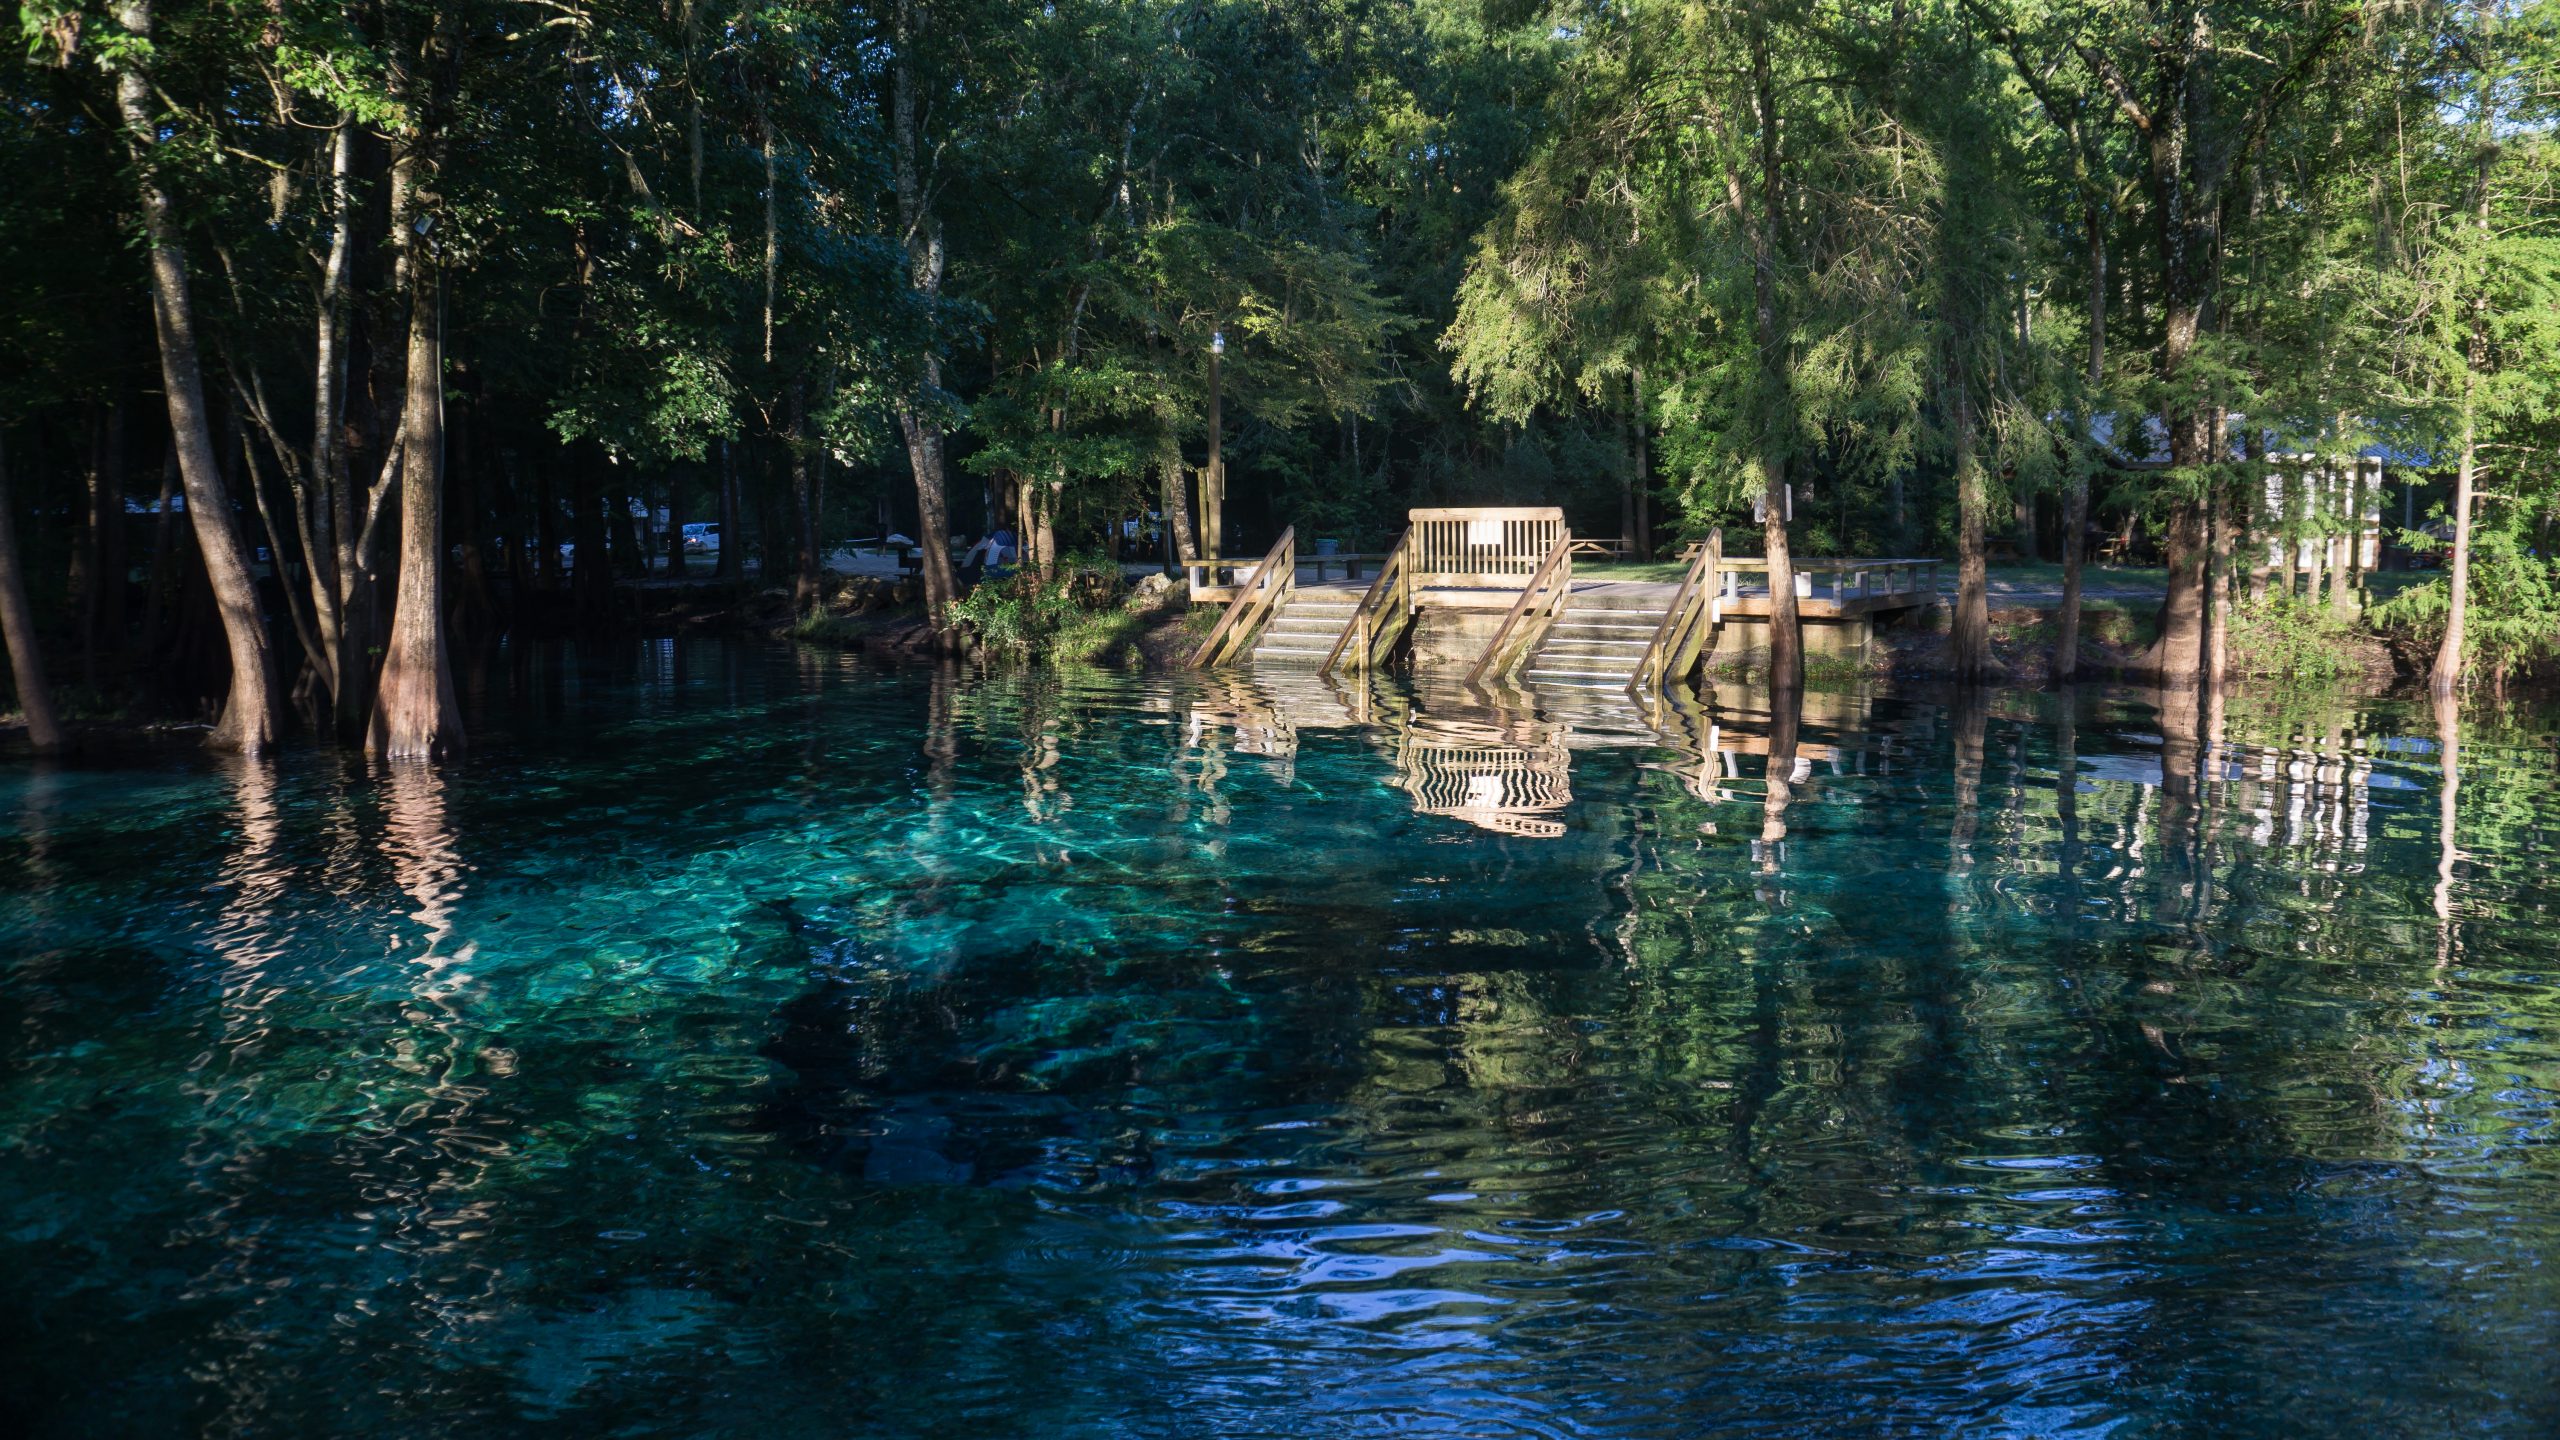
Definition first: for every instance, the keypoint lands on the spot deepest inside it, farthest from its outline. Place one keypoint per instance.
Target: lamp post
(1213, 476)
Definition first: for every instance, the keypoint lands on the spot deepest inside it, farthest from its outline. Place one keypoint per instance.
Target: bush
(1075, 616)
(2290, 638)
(2514, 616)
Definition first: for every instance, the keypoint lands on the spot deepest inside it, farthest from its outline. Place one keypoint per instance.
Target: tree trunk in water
(2217, 632)
(248, 722)
(18, 628)
(2177, 657)
(804, 516)
(1969, 641)
(2075, 531)
(2447, 675)
(415, 715)
(923, 232)
(1786, 626)
(2075, 505)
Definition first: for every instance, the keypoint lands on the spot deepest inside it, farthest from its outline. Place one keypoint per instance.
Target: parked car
(701, 538)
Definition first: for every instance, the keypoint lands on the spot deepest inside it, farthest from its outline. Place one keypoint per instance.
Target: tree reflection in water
(732, 1043)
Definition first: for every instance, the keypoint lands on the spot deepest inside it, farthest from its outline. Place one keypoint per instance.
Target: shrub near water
(2513, 619)
(2289, 638)
(1075, 617)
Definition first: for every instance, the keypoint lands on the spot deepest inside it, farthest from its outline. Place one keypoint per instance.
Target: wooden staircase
(1307, 625)
(1597, 643)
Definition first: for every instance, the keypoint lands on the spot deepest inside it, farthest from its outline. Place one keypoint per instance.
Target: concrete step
(1639, 627)
(1592, 645)
(1541, 680)
(1576, 665)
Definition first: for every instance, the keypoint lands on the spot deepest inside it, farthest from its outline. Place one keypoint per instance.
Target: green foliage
(1075, 616)
(2513, 619)
(2290, 638)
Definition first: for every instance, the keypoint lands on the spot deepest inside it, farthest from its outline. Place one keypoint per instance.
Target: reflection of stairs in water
(1303, 630)
(1595, 644)
(1594, 716)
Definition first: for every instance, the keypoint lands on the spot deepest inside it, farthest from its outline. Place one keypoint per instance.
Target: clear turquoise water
(748, 1042)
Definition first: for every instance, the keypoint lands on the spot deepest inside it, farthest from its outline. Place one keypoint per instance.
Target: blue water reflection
(749, 1041)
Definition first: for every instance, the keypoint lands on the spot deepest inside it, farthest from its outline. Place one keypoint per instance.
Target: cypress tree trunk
(1969, 641)
(2177, 657)
(248, 722)
(804, 529)
(17, 627)
(1786, 627)
(2075, 505)
(923, 232)
(2447, 674)
(2217, 635)
(415, 714)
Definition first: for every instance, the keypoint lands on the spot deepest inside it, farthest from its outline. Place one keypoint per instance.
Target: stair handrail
(1694, 602)
(1530, 615)
(1393, 587)
(1273, 579)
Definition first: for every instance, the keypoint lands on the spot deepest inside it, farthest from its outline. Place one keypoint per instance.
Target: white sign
(1485, 533)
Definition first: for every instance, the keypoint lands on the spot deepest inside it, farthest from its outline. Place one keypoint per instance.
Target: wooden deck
(1492, 589)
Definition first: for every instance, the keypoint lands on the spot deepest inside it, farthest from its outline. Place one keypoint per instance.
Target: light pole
(1213, 476)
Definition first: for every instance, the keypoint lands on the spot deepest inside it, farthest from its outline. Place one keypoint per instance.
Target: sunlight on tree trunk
(248, 722)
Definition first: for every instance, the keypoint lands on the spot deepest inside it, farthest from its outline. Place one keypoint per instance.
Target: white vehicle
(701, 537)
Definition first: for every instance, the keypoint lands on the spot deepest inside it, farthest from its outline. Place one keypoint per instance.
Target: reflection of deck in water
(1499, 757)
(1484, 775)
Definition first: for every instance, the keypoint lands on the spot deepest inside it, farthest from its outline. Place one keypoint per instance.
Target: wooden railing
(1849, 579)
(1383, 614)
(1696, 609)
(1479, 547)
(1530, 615)
(1256, 597)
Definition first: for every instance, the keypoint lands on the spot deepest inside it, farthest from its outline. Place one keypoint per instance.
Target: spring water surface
(744, 1041)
